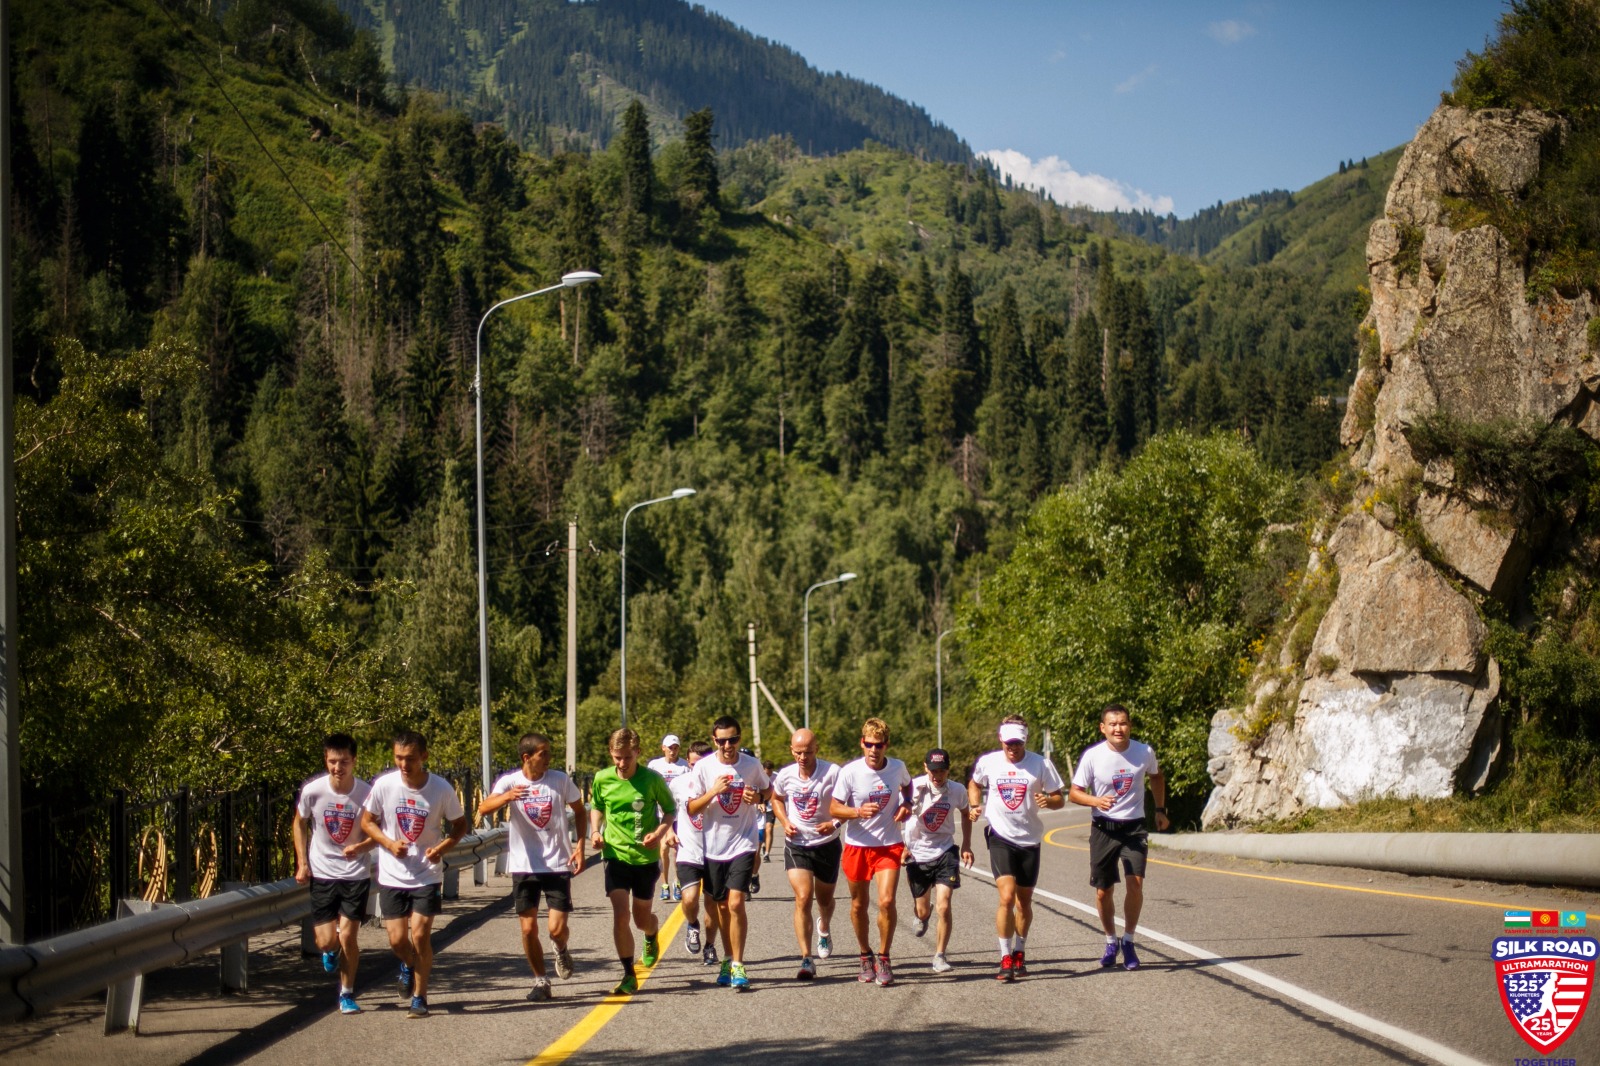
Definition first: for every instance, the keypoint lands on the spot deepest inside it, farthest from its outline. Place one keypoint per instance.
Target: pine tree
(701, 188)
(962, 350)
(1085, 423)
(638, 174)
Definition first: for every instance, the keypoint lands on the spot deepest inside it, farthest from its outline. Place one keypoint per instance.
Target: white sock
(1019, 942)
(1127, 938)
(343, 991)
(1111, 940)
(1005, 945)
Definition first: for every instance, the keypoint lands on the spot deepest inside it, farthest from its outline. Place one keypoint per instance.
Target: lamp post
(677, 494)
(806, 630)
(568, 281)
(938, 681)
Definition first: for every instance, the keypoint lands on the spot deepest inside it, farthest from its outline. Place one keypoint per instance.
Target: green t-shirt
(633, 806)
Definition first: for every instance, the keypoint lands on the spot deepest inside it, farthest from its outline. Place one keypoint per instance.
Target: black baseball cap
(937, 759)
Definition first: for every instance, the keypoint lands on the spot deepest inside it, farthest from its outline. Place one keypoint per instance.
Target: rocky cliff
(1381, 685)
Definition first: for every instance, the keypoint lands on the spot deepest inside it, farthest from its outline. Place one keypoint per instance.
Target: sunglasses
(720, 741)
(875, 745)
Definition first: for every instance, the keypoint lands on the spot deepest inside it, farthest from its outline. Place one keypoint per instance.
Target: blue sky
(1165, 105)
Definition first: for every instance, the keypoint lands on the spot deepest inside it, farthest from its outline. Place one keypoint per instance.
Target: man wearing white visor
(670, 767)
(1021, 783)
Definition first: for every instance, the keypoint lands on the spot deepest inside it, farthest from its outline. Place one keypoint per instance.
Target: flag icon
(1574, 920)
(1519, 920)
(1546, 919)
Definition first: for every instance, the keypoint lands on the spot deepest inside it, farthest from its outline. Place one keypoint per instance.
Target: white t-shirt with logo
(670, 771)
(859, 784)
(417, 817)
(538, 822)
(689, 827)
(335, 821)
(935, 814)
(805, 801)
(1013, 815)
(732, 826)
(1103, 772)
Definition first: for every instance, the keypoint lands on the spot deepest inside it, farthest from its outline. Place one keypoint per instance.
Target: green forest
(249, 275)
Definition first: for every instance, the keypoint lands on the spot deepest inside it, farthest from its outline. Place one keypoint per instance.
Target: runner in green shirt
(633, 810)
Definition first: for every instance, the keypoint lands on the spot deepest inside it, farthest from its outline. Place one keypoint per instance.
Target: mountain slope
(558, 73)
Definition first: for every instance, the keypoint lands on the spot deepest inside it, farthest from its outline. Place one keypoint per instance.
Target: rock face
(1396, 694)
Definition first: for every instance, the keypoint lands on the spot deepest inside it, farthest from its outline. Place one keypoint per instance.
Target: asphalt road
(1244, 962)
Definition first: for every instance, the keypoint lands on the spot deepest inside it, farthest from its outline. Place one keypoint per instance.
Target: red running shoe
(1006, 974)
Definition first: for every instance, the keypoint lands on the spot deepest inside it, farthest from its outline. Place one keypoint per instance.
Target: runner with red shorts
(872, 797)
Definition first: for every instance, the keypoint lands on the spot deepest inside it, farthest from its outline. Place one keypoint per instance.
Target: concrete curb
(1531, 858)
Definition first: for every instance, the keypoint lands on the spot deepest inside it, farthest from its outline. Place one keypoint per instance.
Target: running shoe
(330, 961)
(563, 964)
(651, 952)
(348, 1004)
(740, 982)
(677, 890)
(885, 976)
(1019, 964)
(627, 986)
(540, 992)
(691, 941)
(725, 975)
(755, 884)
(808, 970)
(403, 983)
(869, 970)
(824, 941)
(941, 964)
(1005, 973)
(666, 892)
(1130, 958)
(919, 926)
(419, 1007)
(1110, 957)
(708, 957)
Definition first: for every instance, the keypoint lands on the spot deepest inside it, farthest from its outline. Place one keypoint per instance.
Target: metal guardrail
(36, 978)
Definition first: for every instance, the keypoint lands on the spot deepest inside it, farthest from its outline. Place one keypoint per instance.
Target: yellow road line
(1291, 880)
(568, 1044)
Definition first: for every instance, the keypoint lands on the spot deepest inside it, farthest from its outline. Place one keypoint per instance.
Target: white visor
(1013, 731)
(670, 741)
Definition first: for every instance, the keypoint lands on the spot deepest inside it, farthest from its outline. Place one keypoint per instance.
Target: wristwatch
(1161, 810)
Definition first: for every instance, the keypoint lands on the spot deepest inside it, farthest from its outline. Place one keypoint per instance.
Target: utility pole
(12, 900)
(755, 693)
(572, 645)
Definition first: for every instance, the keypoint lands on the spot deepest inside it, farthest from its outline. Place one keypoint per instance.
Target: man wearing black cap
(933, 866)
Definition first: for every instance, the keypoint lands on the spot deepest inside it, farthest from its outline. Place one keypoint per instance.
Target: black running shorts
(330, 899)
(690, 873)
(639, 880)
(822, 861)
(555, 888)
(730, 876)
(945, 870)
(1012, 860)
(403, 902)
(1111, 840)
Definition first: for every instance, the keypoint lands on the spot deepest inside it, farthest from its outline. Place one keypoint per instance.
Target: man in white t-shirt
(872, 797)
(329, 851)
(1110, 778)
(415, 817)
(691, 862)
(933, 865)
(670, 767)
(801, 793)
(1020, 784)
(726, 792)
(538, 856)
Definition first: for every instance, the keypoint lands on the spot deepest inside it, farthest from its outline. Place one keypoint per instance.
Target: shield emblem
(1122, 781)
(806, 804)
(410, 819)
(879, 794)
(339, 820)
(934, 816)
(733, 798)
(537, 806)
(1544, 985)
(1012, 792)
(698, 820)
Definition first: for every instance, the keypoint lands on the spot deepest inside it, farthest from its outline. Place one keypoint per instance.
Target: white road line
(1392, 1033)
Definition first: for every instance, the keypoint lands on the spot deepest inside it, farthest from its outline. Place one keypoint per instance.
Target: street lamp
(677, 494)
(568, 281)
(806, 629)
(938, 681)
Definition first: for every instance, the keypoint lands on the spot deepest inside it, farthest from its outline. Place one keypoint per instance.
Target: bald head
(803, 746)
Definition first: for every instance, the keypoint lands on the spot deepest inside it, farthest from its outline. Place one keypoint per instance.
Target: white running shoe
(941, 964)
(919, 926)
(824, 942)
(691, 941)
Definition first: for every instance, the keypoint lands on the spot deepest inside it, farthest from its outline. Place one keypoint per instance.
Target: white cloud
(1230, 31)
(1058, 55)
(1065, 185)
(1134, 82)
